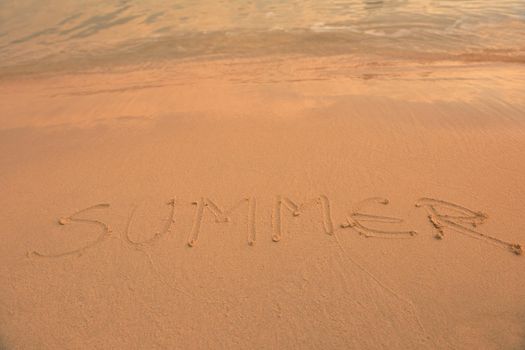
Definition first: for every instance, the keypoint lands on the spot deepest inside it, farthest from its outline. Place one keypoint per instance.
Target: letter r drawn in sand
(462, 220)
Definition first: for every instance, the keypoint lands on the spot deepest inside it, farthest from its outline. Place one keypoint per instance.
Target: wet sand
(159, 206)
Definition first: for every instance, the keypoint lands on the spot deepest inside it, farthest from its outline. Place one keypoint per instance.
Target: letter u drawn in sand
(169, 221)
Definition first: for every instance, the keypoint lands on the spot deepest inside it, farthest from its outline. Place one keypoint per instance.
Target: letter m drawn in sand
(222, 216)
(283, 202)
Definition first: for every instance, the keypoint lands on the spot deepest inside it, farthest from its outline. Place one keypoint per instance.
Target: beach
(293, 196)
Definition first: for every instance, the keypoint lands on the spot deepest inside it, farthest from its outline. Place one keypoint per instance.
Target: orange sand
(221, 132)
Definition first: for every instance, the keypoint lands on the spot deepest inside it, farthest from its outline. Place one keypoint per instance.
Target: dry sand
(109, 176)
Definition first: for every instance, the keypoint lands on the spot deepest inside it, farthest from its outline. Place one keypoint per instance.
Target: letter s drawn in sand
(459, 220)
(73, 219)
(356, 217)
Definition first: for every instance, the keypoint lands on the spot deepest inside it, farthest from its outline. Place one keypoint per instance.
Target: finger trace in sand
(424, 336)
(296, 209)
(169, 221)
(222, 216)
(355, 218)
(162, 279)
(72, 218)
(252, 235)
(464, 216)
(441, 215)
(199, 210)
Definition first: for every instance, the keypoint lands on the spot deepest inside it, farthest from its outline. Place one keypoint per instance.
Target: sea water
(39, 31)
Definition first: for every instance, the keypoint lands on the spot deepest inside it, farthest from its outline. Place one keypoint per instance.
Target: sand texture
(263, 203)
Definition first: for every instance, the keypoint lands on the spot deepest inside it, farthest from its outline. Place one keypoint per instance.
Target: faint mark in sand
(3, 344)
(73, 218)
(462, 220)
(221, 217)
(153, 17)
(356, 217)
(199, 211)
(108, 91)
(31, 36)
(169, 221)
(132, 118)
(96, 23)
(94, 29)
(322, 202)
(162, 30)
(252, 234)
(162, 279)
(139, 245)
(69, 19)
(47, 31)
(413, 309)
(367, 232)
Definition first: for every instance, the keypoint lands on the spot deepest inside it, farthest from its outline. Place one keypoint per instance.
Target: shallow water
(95, 31)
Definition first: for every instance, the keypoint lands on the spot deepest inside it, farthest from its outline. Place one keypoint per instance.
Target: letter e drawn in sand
(73, 219)
(462, 220)
(222, 216)
(169, 221)
(296, 209)
(356, 217)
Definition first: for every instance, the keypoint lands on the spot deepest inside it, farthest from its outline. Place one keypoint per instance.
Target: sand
(263, 203)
